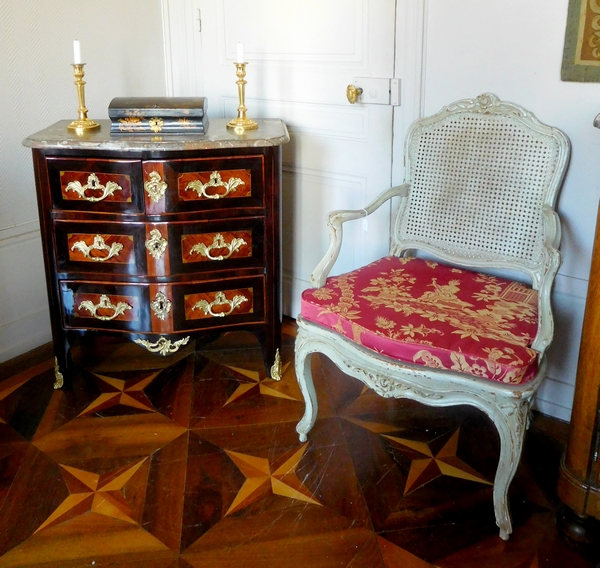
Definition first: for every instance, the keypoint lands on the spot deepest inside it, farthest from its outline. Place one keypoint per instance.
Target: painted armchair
(459, 311)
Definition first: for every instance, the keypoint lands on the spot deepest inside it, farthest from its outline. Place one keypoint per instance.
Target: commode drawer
(162, 308)
(99, 185)
(203, 184)
(104, 305)
(96, 247)
(159, 249)
(209, 305)
(217, 245)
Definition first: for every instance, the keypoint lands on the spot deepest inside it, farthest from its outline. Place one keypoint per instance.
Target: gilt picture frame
(581, 54)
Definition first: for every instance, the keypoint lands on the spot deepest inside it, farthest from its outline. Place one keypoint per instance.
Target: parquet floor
(194, 461)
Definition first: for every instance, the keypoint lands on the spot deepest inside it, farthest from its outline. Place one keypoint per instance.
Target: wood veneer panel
(395, 556)
(587, 392)
(163, 511)
(37, 470)
(206, 247)
(217, 184)
(92, 188)
(331, 549)
(138, 434)
(81, 540)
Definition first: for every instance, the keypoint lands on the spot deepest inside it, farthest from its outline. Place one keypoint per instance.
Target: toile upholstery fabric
(428, 313)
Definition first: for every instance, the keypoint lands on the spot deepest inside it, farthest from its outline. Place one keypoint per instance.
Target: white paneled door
(301, 57)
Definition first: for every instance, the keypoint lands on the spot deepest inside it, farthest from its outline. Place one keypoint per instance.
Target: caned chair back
(484, 177)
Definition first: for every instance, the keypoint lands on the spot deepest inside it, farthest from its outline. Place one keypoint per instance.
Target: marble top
(270, 132)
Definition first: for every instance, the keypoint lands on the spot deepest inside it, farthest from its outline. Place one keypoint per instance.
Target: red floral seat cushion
(435, 315)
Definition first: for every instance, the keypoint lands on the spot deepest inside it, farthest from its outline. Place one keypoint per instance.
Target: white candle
(240, 53)
(76, 51)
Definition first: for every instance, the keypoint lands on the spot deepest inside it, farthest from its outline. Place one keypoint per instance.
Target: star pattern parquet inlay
(257, 385)
(426, 466)
(120, 391)
(278, 477)
(103, 494)
(195, 462)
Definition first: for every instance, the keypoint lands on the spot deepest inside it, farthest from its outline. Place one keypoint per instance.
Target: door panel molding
(182, 47)
(308, 191)
(340, 155)
(183, 53)
(237, 17)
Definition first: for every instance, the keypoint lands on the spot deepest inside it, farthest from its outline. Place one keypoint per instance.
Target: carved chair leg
(305, 380)
(511, 423)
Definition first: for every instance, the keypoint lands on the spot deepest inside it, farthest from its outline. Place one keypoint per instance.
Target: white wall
(122, 44)
(514, 49)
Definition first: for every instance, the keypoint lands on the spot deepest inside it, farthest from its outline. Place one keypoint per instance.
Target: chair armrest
(552, 261)
(335, 220)
(551, 226)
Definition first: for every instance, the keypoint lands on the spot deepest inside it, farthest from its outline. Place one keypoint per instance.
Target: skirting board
(555, 399)
(25, 334)
(24, 314)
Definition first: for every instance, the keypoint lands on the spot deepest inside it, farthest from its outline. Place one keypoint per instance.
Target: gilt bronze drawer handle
(155, 187)
(215, 181)
(99, 244)
(105, 303)
(220, 300)
(156, 244)
(93, 183)
(218, 243)
(163, 346)
(161, 306)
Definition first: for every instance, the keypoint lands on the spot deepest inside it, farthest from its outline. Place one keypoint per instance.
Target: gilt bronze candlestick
(83, 123)
(242, 122)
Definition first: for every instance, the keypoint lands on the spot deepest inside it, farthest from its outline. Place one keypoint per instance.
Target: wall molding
(570, 285)
(409, 66)
(350, 189)
(21, 230)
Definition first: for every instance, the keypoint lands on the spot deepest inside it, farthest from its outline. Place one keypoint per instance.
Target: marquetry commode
(161, 240)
